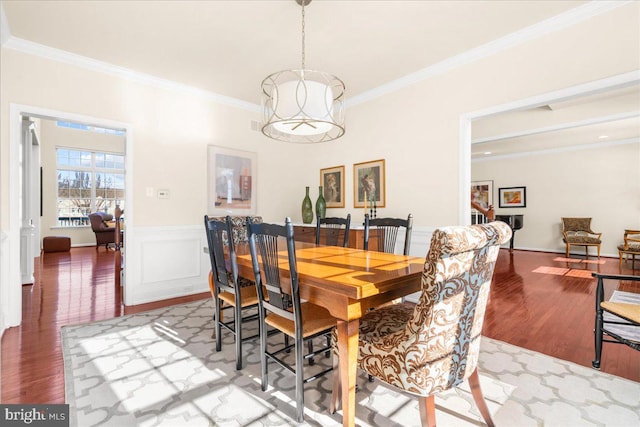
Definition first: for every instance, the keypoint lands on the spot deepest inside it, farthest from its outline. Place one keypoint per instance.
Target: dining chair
(384, 231)
(333, 227)
(281, 307)
(227, 287)
(618, 318)
(432, 346)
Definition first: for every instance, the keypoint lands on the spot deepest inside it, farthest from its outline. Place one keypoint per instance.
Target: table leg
(348, 350)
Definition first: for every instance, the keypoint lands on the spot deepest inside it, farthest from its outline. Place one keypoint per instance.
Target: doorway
(10, 274)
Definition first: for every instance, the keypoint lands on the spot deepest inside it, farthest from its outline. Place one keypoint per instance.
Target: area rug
(160, 368)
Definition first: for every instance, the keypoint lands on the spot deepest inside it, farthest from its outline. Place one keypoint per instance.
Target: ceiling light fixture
(303, 106)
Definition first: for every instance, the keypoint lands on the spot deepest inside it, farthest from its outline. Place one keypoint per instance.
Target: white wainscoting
(165, 262)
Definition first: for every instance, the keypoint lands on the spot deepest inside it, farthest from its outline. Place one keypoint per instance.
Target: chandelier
(303, 106)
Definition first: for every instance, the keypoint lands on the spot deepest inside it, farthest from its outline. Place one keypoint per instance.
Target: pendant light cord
(303, 52)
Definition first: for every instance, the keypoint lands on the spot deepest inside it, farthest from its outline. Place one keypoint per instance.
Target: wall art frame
(332, 181)
(231, 181)
(369, 184)
(482, 193)
(512, 197)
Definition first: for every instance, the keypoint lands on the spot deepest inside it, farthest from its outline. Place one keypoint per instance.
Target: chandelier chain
(303, 34)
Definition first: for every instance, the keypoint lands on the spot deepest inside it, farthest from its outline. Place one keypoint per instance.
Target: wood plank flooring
(539, 301)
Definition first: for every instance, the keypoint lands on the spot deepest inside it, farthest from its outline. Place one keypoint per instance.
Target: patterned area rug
(161, 368)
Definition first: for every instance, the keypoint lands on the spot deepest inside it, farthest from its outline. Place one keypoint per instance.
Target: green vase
(321, 205)
(307, 208)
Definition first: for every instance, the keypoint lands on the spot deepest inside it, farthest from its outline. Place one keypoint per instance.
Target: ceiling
(228, 47)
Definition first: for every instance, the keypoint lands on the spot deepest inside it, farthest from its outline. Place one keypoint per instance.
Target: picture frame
(332, 181)
(512, 197)
(231, 183)
(482, 193)
(369, 178)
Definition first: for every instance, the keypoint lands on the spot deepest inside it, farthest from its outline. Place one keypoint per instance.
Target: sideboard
(307, 233)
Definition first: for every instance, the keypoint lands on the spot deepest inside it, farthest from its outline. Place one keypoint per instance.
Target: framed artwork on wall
(368, 184)
(231, 183)
(332, 181)
(482, 193)
(512, 197)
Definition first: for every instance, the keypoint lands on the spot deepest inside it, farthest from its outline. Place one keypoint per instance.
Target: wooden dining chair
(433, 346)
(333, 227)
(618, 319)
(281, 307)
(384, 232)
(227, 287)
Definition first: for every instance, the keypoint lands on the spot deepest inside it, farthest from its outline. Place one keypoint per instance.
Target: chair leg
(237, 327)
(263, 349)
(299, 345)
(567, 250)
(427, 411)
(217, 319)
(598, 251)
(476, 391)
(598, 339)
(310, 350)
(336, 394)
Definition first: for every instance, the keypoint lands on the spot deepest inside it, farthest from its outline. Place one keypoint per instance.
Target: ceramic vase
(321, 205)
(307, 208)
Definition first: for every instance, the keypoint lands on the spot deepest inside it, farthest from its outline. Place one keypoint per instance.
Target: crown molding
(558, 127)
(5, 31)
(547, 26)
(36, 49)
(557, 150)
(556, 23)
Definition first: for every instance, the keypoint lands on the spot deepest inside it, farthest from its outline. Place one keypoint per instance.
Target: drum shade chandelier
(303, 106)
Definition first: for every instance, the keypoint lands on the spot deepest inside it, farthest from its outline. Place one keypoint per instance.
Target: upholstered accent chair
(577, 232)
(630, 247)
(433, 346)
(105, 235)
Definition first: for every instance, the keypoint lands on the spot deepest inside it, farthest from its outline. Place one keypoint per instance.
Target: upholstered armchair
(105, 235)
(577, 232)
(630, 246)
(434, 346)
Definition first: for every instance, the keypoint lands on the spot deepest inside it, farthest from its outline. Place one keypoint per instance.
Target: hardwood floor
(539, 301)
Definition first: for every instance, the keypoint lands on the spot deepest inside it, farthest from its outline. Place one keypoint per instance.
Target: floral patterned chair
(433, 346)
(577, 232)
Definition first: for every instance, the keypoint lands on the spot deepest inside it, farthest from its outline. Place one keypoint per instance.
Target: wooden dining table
(347, 282)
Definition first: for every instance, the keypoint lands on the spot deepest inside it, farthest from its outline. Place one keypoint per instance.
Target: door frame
(10, 277)
(589, 88)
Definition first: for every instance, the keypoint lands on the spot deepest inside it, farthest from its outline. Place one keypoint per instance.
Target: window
(88, 182)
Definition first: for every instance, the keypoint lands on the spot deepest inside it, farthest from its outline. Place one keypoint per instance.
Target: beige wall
(52, 137)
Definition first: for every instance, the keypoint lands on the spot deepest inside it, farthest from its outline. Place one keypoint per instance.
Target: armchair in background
(577, 232)
(105, 235)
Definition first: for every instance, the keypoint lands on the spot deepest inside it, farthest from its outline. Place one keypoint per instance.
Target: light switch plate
(149, 191)
(163, 194)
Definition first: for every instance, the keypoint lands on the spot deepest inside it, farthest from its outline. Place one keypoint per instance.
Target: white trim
(563, 126)
(5, 31)
(557, 150)
(10, 282)
(59, 55)
(596, 86)
(558, 22)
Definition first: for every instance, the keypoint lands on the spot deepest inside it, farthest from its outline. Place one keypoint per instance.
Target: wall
(602, 183)
(415, 129)
(52, 137)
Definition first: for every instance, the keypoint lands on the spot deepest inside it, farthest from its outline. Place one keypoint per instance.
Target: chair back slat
(269, 273)
(385, 232)
(334, 228)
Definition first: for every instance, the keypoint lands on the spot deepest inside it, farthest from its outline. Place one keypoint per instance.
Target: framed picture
(231, 183)
(512, 197)
(368, 184)
(332, 181)
(482, 193)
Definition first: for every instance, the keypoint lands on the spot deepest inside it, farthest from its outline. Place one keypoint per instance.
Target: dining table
(347, 282)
